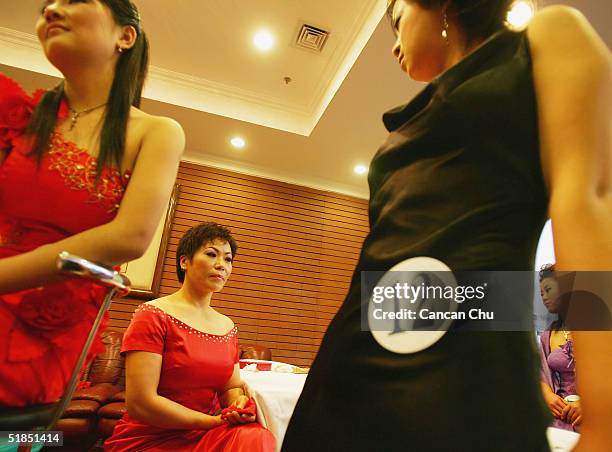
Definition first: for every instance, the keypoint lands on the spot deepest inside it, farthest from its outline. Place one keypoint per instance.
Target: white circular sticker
(401, 316)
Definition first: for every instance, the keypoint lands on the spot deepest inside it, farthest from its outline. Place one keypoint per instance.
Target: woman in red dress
(66, 157)
(182, 362)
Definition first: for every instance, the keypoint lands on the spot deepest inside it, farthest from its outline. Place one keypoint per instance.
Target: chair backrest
(251, 351)
(107, 366)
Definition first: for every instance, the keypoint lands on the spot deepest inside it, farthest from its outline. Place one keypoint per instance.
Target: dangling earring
(119, 48)
(445, 29)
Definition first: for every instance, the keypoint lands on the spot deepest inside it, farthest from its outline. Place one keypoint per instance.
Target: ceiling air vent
(311, 38)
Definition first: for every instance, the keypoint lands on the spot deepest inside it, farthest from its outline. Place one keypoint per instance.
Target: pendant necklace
(76, 114)
(565, 332)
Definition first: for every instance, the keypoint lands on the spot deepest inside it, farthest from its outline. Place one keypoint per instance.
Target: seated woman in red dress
(182, 362)
(66, 157)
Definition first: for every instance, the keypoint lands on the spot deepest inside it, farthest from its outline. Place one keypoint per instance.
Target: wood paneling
(297, 250)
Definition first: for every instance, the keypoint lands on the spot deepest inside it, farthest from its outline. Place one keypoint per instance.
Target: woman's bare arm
(233, 389)
(128, 235)
(573, 80)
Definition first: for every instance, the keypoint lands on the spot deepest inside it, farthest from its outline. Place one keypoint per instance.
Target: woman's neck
(460, 49)
(88, 88)
(560, 323)
(192, 295)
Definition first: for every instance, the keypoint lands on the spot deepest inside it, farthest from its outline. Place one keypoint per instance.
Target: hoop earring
(445, 29)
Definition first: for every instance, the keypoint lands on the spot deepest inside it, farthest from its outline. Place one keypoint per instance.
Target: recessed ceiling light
(360, 169)
(519, 14)
(263, 40)
(238, 142)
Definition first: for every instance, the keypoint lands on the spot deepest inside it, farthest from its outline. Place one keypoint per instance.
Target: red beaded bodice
(60, 197)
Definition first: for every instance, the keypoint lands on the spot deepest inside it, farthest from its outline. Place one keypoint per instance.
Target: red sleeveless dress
(42, 330)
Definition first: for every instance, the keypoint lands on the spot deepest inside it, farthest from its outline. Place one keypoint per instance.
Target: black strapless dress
(458, 179)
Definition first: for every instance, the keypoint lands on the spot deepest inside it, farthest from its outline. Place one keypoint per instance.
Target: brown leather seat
(104, 375)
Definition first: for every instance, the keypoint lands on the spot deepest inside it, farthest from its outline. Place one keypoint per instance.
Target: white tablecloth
(276, 395)
(561, 440)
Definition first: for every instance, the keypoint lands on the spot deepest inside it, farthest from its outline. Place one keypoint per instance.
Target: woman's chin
(216, 287)
(419, 76)
(60, 54)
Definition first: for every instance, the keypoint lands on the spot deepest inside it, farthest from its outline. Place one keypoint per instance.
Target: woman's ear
(183, 262)
(128, 37)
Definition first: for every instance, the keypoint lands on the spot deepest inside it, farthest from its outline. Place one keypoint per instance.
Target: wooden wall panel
(297, 250)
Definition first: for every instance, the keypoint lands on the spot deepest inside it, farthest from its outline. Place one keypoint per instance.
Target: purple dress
(559, 371)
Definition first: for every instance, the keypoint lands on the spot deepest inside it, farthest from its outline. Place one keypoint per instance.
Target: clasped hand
(569, 412)
(572, 413)
(235, 413)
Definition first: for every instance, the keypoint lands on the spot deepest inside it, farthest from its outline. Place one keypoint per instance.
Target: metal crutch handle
(117, 284)
(74, 265)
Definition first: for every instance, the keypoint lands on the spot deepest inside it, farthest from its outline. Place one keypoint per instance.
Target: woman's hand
(572, 413)
(556, 404)
(234, 417)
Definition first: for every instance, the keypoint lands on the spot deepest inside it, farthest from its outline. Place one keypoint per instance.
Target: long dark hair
(126, 90)
(478, 18)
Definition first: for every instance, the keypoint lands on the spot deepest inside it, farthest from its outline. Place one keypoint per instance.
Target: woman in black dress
(512, 126)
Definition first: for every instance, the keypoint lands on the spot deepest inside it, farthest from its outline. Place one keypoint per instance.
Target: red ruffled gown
(42, 330)
(195, 366)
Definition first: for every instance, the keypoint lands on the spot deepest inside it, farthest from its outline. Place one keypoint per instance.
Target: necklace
(76, 114)
(565, 332)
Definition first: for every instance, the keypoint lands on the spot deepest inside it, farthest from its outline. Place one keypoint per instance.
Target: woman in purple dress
(558, 364)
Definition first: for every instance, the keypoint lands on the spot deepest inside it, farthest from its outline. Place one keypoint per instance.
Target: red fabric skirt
(130, 435)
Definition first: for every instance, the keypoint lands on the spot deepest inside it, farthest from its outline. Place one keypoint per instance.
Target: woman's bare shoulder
(147, 123)
(565, 31)
(557, 16)
(160, 135)
(160, 303)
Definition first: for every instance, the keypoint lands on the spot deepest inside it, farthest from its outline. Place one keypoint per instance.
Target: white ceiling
(206, 74)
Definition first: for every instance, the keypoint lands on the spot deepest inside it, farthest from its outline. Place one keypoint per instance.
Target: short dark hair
(196, 237)
(479, 19)
(547, 271)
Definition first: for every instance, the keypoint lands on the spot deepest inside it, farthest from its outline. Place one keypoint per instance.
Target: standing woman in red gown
(82, 170)
(182, 363)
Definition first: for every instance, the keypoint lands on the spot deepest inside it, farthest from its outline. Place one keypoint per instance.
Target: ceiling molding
(23, 50)
(204, 95)
(265, 173)
(363, 28)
